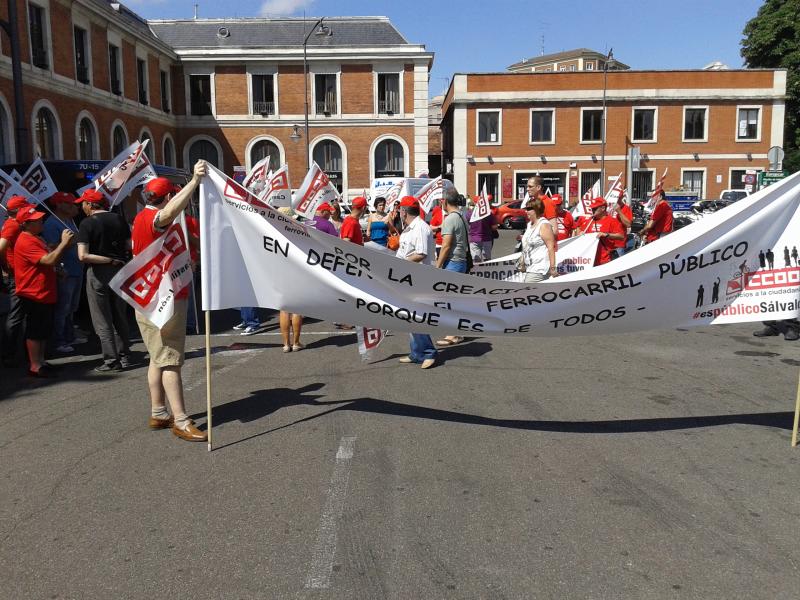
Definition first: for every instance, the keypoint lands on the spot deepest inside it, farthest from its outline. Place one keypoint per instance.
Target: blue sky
(473, 35)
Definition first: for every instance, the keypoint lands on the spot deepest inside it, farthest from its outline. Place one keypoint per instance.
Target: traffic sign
(766, 178)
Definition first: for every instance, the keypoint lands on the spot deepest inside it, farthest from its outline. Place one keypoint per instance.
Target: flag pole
(208, 378)
(796, 415)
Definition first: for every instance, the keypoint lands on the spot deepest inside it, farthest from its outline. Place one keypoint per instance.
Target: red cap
(359, 202)
(407, 201)
(62, 198)
(16, 202)
(597, 203)
(92, 196)
(489, 197)
(556, 199)
(159, 187)
(30, 214)
(324, 206)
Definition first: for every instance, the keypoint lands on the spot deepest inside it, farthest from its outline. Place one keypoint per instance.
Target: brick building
(96, 76)
(580, 59)
(706, 127)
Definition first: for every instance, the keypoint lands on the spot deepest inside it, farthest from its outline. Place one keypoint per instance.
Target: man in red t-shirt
(166, 345)
(37, 290)
(536, 190)
(437, 218)
(14, 319)
(564, 219)
(608, 229)
(351, 228)
(624, 215)
(660, 222)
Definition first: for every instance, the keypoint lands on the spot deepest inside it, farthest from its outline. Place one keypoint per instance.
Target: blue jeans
(422, 347)
(250, 316)
(69, 297)
(458, 267)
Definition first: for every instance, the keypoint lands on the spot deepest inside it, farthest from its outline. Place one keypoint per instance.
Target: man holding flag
(165, 345)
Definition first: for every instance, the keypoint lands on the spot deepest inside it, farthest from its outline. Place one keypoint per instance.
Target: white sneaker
(250, 331)
(240, 326)
(65, 349)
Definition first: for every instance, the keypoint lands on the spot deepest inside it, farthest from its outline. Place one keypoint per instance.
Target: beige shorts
(166, 345)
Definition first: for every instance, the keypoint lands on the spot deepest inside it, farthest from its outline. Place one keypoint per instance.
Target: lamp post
(20, 129)
(318, 30)
(609, 58)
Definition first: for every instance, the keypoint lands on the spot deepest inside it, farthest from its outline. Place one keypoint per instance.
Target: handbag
(470, 262)
(393, 241)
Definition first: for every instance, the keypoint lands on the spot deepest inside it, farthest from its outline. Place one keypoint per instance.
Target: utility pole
(20, 128)
(609, 58)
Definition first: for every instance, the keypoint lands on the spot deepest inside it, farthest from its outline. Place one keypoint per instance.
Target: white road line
(319, 574)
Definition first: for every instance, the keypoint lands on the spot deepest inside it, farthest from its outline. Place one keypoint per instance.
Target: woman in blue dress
(379, 223)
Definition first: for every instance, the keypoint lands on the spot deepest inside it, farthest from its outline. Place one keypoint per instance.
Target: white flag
(256, 179)
(126, 171)
(651, 204)
(15, 175)
(315, 189)
(432, 192)
(277, 189)
(482, 209)
(368, 340)
(581, 209)
(393, 195)
(9, 187)
(38, 181)
(156, 275)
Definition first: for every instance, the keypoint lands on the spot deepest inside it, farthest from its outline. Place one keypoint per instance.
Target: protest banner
(37, 181)
(9, 187)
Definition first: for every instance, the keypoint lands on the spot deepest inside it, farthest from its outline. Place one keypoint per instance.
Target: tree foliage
(772, 40)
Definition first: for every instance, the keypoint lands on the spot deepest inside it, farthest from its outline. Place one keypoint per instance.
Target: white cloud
(272, 8)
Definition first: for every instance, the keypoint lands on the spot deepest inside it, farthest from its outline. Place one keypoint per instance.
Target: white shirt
(417, 238)
(534, 251)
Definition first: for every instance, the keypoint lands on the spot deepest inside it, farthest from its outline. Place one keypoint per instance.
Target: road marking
(202, 380)
(319, 574)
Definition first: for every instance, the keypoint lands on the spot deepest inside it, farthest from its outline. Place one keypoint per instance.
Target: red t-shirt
(34, 281)
(662, 221)
(351, 228)
(436, 221)
(566, 224)
(625, 210)
(10, 232)
(144, 233)
(193, 229)
(549, 207)
(606, 245)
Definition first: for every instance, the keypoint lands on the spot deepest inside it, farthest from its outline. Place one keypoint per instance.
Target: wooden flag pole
(796, 414)
(208, 379)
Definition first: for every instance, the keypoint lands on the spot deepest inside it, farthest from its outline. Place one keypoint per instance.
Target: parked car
(733, 195)
(509, 215)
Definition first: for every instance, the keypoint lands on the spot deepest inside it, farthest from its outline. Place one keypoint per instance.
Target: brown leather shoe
(160, 423)
(190, 433)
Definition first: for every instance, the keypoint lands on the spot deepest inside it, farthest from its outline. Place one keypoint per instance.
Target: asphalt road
(654, 465)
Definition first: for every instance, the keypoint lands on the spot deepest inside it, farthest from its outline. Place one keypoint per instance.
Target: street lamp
(318, 30)
(295, 135)
(609, 58)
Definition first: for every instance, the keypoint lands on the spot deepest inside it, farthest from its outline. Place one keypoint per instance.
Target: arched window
(261, 150)
(148, 150)
(45, 134)
(203, 150)
(5, 136)
(328, 155)
(120, 139)
(169, 152)
(87, 145)
(389, 160)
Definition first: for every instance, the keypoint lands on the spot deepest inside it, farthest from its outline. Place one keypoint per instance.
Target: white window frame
(588, 66)
(197, 138)
(9, 149)
(141, 54)
(152, 144)
(114, 125)
(651, 170)
(580, 128)
(758, 126)
(374, 146)
(655, 124)
(59, 133)
(741, 168)
(83, 22)
(333, 138)
(704, 190)
(45, 6)
(562, 67)
(115, 39)
(262, 71)
(541, 172)
(208, 70)
(581, 172)
(499, 112)
(552, 111)
(166, 69)
(85, 114)
(321, 70)
(705, 124)
(387, 71)
(498, 199)
(261, 138)
(168, 136)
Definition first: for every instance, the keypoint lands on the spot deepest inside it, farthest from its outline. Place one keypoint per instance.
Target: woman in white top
(538, 260)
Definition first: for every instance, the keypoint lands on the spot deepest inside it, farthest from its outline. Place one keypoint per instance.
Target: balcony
(263, 108)
(82, 73)
(39, 57)
(326, 108)
(201, 108)
(388, 107)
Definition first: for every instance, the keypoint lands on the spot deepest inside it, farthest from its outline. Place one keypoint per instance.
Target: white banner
(315, 189)
(38, 181)
(9, 187)
(482, 208)
(707, 272)
(277, 189)
(150, 282)
(432, 192)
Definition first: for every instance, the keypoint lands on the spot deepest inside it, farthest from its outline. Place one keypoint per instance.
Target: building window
(261, 150)
(120, 140)
(389, 159)
(592, 125)
(325, 94)
(489, 127)
(37, 24)
(45, 134)
(200, 95)
(81, 55)
(165, 102)
(542, 126)
(388, 93)
(644, 124)
(589, 66)
(169, 152)
(203, 150)
(588, 179)
(5, 136)
(492, 186)
(148, 149)
(263, 95)
(114, 69)
(87, 145)
(328, 155)
(693, 181)
(562, 68)
(642, 184)
(141, 80)
(747, 124)
(694, 124)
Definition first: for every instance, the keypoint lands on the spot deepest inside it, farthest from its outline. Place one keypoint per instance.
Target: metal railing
(325, 107)
(263, 108)
(388, 107)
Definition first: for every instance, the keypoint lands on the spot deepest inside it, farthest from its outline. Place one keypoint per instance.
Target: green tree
(772, 40)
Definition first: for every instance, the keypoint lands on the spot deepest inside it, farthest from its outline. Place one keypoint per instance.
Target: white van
(381, 185)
